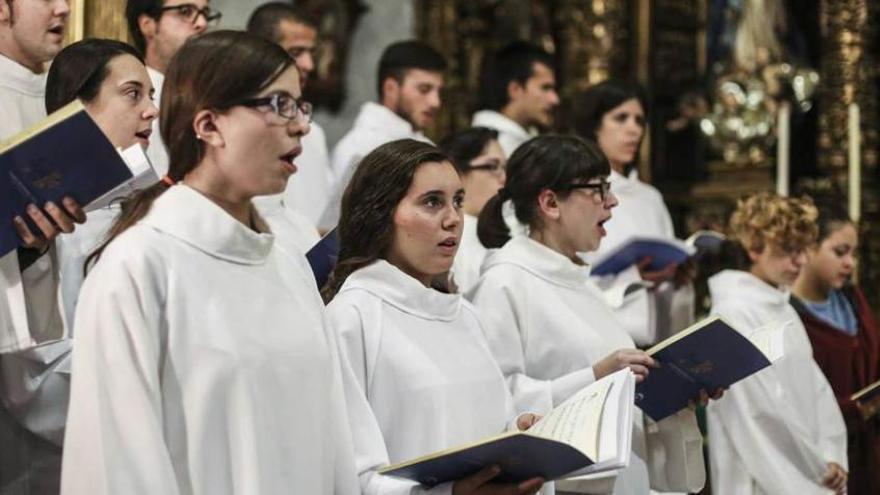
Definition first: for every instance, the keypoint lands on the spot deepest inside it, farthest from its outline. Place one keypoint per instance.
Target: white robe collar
(541, 261)
(20, 79)
(502, 123)
(742, 285)
(390, 284)
(184, 213)
(374, 115)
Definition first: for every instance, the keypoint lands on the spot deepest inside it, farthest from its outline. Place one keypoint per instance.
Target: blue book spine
(662, 254)
(323, 256)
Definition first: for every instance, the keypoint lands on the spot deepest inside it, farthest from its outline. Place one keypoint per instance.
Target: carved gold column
(97, 19)
(850, 75)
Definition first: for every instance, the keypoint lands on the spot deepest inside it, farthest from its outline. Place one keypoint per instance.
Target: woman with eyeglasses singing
(481, 163)
(547, 323)
(202, 364)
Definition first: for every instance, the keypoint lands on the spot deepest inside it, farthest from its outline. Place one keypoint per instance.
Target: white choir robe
(421, 377)
(510, 134)
(547, 325)
(202, 365)
(648, 316)
(776, 431)
(470, 256)
(33, 392)
(374, 126)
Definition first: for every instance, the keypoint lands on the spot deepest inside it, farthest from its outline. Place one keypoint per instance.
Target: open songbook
(66, 154)
(706, 356)
(590, 432)
(868, 400)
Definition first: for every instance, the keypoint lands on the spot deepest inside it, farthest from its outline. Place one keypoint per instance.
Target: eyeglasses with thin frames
(493, 167)
(283, 105)
(603, 188)
(191, 12)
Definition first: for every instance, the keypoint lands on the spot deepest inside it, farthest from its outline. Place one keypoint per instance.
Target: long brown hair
(212, 71)
(366, 221)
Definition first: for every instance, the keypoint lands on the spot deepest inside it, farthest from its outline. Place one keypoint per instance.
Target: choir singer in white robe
(422, 378)
(779, 431)
(202, 364)
(480, 161)
(547, 323)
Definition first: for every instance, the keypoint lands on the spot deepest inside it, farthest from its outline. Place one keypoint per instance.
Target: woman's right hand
(638, 361)
(479, 484)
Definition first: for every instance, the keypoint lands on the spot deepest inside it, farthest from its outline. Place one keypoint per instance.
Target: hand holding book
(51, 220)
(480, 483)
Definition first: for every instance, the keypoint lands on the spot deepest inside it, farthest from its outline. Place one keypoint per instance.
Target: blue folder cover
(519, 455)
(714, 356)
(662, 254)
(64, 155)
(322, 257)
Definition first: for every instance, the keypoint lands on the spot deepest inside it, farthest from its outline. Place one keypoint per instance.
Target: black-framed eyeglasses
(191, 12)
(283, 105)
(603, 188)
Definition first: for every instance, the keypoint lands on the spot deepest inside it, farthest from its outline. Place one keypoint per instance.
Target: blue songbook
(709, 355)
(591, 432)
(322, 257)
(66, 154)
(662, 253)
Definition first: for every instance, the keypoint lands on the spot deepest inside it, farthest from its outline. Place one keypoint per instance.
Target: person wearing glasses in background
(547, 323)
(159, 28)
(480, 161)
(295, 30)
(202, 363)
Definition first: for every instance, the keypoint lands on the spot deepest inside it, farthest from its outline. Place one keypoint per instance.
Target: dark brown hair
(550, 161)
(366, 225)
(80, 68)
(212, 71)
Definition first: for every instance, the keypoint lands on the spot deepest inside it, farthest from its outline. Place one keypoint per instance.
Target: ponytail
(492, 230)
(134, 208)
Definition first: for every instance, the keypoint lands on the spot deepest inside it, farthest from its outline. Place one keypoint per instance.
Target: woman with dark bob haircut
(423, 377)
(548, 325)
(202, 364)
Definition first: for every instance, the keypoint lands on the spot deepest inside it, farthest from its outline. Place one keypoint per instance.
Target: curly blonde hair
(767, 220)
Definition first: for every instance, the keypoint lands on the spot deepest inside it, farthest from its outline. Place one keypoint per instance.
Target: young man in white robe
(517, 93)
(410, 82)
(31, 322)
(422, 377)
(779, 431)
(547, 323)
(296, 31)
(202, 363)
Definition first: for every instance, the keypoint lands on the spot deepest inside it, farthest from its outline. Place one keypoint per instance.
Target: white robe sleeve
(506, 331)
(115, 437)
(29, 310)
(757, 420)
(834, 435)
(674, 453)
(34, 355)
(356, 355)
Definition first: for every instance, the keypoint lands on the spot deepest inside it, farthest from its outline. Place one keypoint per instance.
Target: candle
(855, 162)
(783, 123)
